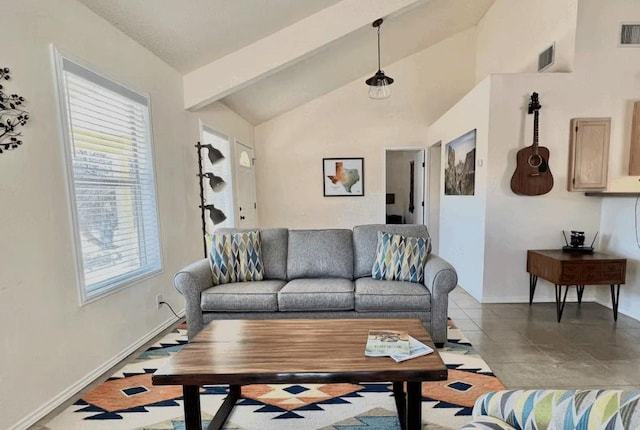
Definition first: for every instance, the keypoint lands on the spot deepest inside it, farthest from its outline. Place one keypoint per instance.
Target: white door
(245, 187)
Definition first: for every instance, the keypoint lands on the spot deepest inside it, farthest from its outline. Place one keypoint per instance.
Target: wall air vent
(630, 35)
(546, 58)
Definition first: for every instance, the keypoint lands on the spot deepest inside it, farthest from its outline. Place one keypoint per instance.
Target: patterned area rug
(128, 400)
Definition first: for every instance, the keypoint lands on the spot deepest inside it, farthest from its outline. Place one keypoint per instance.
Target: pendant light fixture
(379, 83)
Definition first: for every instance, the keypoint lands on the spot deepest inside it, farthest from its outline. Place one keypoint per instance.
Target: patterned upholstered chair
(557, 410)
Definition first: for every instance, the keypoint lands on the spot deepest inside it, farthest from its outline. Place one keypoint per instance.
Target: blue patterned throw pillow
(236, 257)
(386, 266)
(413, 259)
(400, 258)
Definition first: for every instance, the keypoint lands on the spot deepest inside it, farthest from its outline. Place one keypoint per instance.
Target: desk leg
(615, 298)
(580, 291)
(192, 420)
(533, 281)
(560, 306)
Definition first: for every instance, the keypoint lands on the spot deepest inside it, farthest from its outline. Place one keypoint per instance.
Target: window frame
(118, 282)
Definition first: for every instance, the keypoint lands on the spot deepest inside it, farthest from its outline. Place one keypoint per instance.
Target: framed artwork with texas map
(343, 177)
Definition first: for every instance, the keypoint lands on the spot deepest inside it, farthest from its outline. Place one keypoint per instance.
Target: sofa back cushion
(320, 254)
(365, 240)
(274, 243)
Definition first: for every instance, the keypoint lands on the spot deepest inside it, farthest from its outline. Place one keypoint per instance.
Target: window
(111, 180)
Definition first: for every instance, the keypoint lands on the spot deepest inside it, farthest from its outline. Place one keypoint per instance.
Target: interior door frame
(434, 183)
(423, 174)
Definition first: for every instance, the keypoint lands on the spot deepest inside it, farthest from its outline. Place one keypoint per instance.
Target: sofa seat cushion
(316, 294)
(257, 296)
(373, 295)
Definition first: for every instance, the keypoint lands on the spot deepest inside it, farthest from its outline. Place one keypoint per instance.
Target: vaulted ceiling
(264, 57)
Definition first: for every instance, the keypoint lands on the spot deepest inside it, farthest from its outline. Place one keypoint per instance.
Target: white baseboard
(525, 299)
(58, 400)
(622, 310)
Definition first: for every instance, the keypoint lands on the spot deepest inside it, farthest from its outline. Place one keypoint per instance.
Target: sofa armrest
(543, 409)
(440, 278)
(191, 281)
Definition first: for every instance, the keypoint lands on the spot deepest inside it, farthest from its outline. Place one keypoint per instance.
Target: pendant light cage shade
(379, 83)
(379, 86)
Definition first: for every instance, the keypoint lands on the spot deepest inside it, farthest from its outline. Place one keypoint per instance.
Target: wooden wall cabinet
(589, 154)
(634, 153)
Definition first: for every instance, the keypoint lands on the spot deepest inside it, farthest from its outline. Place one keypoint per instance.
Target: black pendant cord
(204, 223)
(379, 48)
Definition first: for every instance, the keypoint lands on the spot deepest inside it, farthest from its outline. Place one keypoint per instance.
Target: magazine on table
(395, 344)
(383, 343)
(417, 349)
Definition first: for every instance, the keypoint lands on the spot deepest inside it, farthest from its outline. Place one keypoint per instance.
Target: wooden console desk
(579, 269)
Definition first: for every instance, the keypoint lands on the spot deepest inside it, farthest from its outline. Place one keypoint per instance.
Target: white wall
(611, 74)
(462, 218)
(516, 223)
(604, 84)
(50, 345)
(345, 123)
(513, 33)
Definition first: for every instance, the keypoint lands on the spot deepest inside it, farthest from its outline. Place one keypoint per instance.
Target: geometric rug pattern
(128, 400)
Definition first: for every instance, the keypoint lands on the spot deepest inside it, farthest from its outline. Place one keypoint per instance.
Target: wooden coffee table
(294, 351)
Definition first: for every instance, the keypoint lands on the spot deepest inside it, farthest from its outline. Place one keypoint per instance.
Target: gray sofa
(320, 274)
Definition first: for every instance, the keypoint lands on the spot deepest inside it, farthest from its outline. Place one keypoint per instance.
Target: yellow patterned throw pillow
(236, 257)
(400, 258)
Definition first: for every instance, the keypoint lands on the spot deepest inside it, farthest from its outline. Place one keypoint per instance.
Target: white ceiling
(189, 34)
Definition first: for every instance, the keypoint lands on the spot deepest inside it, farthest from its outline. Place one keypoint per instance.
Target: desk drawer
(592, 272)
(614, 271)
(571, 274)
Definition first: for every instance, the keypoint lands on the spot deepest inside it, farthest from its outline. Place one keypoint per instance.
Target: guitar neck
(535, 132)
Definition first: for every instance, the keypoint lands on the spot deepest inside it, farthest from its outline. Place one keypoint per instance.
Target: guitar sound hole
(534, 161)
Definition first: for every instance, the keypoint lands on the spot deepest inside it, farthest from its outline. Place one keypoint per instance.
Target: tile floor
(527, 348)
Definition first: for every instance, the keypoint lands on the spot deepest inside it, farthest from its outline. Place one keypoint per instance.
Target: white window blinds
(107, 128)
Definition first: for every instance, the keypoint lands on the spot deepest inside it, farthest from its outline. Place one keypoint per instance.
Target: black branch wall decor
(12, 116)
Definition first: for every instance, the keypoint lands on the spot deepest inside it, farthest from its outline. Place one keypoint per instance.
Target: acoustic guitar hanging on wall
(532, 176)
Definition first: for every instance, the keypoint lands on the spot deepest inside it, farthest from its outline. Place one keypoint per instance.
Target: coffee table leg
(401, 403)
(191, 395)
(225, 409)
(414, 405)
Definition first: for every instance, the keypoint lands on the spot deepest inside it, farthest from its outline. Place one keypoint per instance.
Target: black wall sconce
(12, 116)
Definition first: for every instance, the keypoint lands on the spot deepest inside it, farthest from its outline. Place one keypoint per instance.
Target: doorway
(405, 174)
